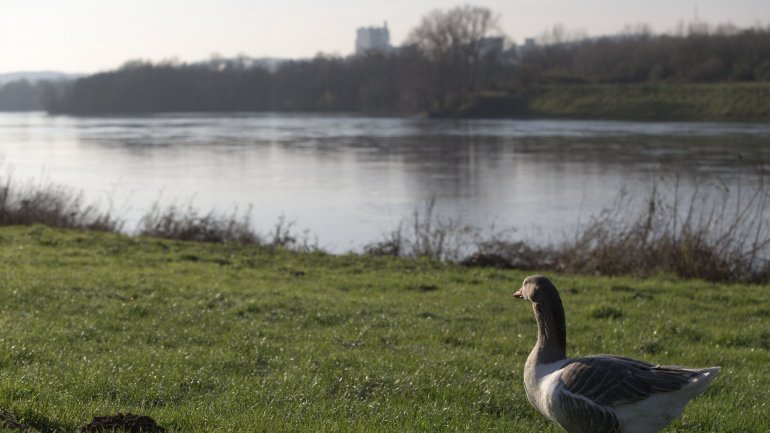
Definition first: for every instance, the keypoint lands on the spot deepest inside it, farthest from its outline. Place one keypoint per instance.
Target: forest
(439, 69)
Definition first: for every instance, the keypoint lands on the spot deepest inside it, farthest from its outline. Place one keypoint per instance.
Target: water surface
(348, 179)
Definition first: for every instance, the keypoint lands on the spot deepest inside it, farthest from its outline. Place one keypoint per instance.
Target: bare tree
(454, 43)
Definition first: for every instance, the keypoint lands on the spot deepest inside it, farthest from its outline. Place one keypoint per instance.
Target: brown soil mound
(8, 422)
(123, 423)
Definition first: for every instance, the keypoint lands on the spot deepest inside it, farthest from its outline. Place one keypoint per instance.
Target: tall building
(370, 39)
(529, 44)
(491, 46)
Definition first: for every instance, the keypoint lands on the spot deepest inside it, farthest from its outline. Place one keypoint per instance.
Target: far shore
(719, 102)
(714, 102)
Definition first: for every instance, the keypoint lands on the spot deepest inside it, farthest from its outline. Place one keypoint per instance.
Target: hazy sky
(92, 35)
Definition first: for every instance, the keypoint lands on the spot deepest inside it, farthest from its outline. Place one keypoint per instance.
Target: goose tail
(699, 383)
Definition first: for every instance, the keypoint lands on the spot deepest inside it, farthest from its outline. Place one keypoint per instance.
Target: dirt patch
(123, 423)
(9, 422)
(426, 287)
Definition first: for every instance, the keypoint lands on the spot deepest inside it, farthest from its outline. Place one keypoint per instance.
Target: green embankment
(707, 102)
(216, 338)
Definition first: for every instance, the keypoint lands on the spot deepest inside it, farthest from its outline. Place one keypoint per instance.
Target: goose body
(600, 393)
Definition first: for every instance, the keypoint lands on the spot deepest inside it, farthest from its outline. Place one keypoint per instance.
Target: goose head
(537, 289)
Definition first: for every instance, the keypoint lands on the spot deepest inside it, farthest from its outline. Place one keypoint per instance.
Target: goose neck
(551, 343)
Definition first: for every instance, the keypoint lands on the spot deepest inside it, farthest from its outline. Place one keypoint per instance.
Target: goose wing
(581, 415)
(610, 380)
(592, 387)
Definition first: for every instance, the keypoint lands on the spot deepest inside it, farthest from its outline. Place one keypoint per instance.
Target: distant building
(529, 43)
(517, 52)
(370, 39)
(491, 47)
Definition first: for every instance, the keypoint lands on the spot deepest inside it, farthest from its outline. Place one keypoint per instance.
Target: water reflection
(348, 178)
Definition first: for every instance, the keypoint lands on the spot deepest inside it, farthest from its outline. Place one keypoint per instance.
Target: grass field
(221, 337)
(724, 102)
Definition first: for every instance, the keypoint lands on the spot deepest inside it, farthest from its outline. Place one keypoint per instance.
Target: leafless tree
(453, 42)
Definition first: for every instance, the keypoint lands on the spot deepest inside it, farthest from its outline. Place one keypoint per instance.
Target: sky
(87, 36)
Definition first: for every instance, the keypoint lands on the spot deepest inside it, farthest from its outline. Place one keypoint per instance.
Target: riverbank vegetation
(746, 101)
(456, 63)
(52, 205)
(710, 232)
(217, 337)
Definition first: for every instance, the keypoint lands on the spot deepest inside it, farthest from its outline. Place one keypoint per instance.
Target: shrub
(187, 224)
(714, 233)
(51, 205)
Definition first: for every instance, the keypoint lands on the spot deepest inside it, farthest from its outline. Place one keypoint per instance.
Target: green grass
(649, 101)
(722, 101)
(221, 337)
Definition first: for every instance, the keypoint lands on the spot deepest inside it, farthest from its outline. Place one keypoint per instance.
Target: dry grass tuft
(714, 233)
(425, 234)
(187, 224)
(51, 205)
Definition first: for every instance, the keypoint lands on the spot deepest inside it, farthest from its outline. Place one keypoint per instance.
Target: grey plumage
(600, 393)
(614, 380)
(585, 416)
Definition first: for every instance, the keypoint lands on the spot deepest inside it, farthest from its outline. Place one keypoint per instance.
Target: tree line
(23, 95)
(443, 61)
(701, 54)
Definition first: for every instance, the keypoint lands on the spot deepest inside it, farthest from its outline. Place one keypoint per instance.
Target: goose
(599, 393)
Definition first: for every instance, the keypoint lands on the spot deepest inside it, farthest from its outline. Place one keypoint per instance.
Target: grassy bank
(226, 337)
(661, 102)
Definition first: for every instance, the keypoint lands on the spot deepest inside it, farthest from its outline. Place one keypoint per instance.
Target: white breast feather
(545, 394)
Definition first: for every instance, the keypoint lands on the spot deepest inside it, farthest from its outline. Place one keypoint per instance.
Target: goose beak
(519, 293)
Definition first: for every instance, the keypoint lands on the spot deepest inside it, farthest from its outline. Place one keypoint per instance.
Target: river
(349, 179)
